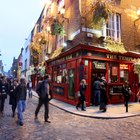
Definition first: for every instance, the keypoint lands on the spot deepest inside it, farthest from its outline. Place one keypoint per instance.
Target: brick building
(88, 39)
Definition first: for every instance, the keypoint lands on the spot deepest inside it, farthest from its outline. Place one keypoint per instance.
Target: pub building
(88, 62)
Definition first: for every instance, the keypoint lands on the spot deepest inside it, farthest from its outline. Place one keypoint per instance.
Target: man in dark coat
(3, 93)
(21, 93)
(103, 98)
(43, 91)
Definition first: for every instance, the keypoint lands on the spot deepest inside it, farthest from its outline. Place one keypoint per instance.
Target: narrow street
(65, 126)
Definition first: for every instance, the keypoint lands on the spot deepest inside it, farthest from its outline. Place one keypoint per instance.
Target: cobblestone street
(65, 126)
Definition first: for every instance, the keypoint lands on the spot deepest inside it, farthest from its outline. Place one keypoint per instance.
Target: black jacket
(12, 94)
(19, 95)
(3, 90)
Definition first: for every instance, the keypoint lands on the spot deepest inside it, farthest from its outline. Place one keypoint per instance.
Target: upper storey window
(113, 29)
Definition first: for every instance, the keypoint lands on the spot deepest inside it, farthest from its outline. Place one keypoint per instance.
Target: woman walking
(82, 98)
(12, 94)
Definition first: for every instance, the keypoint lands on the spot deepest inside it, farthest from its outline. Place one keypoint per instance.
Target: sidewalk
(113, 111)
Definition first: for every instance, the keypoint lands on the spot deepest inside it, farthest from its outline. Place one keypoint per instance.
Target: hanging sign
(123, 66)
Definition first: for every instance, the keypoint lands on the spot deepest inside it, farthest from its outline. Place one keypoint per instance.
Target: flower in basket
(57, 28)
(101, 12)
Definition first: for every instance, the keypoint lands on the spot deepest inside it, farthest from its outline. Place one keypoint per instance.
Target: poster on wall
(121, 73)
(114, 71)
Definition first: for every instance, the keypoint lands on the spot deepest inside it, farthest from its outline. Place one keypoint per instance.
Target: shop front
(89, 62)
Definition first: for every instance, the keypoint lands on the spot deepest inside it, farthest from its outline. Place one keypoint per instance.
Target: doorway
(94, 75)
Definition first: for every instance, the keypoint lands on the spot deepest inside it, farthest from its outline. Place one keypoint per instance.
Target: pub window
(71, 77)
(124, 73)
(60, 74)
(113, 73)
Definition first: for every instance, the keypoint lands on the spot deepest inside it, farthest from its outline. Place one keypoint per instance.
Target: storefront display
(76, 64)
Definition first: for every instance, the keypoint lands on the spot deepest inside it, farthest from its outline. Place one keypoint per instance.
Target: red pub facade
(88, 62)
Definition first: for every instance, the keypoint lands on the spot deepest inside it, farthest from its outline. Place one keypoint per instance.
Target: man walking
(21, 93)
(3, 93)
(43, 91)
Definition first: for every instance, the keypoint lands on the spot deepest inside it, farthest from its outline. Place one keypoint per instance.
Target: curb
(90, 116)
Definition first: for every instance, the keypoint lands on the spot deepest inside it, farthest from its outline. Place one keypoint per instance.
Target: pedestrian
(103, 98)
(12, 94)
(82, 98)
(43, 91)
(29, 87)
(138, 94)
(3, 93)
(126, 94)
(21, 93)
(96, 91)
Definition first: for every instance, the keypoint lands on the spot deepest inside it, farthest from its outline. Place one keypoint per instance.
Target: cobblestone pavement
(66, 126)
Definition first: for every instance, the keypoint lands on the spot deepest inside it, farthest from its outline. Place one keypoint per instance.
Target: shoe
(13, 115)
(83, 109)
(36, 117)
(21, 123)
(77, 107)
(47, 121)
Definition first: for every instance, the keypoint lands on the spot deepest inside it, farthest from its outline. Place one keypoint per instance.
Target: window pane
(113, 73)
(123, 75)
(71, 83)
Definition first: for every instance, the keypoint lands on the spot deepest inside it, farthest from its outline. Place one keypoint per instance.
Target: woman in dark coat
(12, 94)
(103, 97)
(126, 94)
(82, 98)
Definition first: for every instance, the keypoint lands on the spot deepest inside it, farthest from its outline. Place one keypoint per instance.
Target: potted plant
(57, 28)
(101, 12)
(114, 46)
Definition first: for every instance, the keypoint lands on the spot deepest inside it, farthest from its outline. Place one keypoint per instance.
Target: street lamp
(138, 12)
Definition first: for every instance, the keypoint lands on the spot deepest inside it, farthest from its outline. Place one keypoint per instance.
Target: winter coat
(19, 94)
(103, 96)
(3, 90)
(12, 94)
(41, 91)
(82, 89)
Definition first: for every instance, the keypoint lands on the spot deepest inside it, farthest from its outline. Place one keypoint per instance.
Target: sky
(17, 19)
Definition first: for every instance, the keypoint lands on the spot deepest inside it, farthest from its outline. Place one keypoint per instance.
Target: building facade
(87, 39)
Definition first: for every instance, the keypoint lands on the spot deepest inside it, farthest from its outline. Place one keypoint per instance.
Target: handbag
(78, 94)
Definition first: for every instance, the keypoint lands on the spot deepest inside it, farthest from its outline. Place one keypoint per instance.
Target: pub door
(94, 74)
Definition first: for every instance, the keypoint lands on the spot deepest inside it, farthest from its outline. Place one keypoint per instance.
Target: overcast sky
(17, 18)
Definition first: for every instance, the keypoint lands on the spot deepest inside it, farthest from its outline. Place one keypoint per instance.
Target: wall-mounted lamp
(62, 11)
(138, 12)
(48, 28)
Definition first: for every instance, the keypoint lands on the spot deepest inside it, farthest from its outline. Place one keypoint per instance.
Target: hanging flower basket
(57, 28)
(101, 12)
(40, 38)
(114, 46)
(137, 68)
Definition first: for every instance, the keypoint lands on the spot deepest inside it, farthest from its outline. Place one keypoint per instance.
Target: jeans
(21, 105)
(30, 92)
(97, 97)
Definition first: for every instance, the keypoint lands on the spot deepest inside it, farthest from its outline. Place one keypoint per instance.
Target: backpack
(41, 90)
